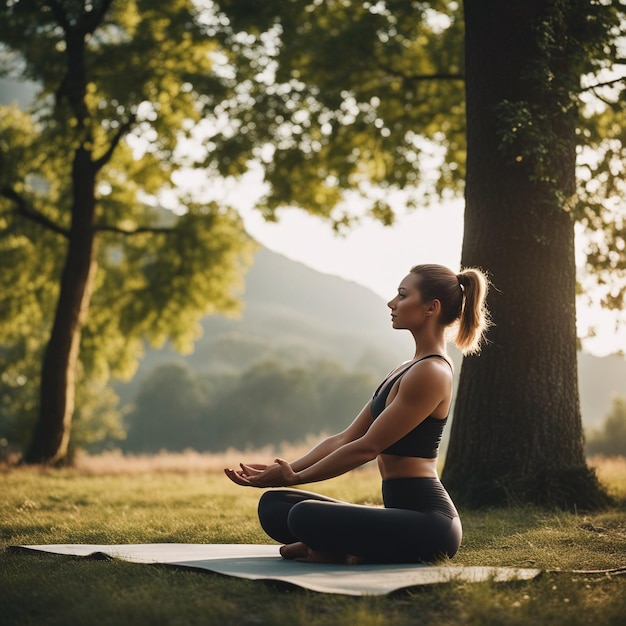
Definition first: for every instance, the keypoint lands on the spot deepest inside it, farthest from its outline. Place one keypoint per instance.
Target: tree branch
(608, 83)
(100, 162)
(136, 231)
(602, 99)
(28, 212)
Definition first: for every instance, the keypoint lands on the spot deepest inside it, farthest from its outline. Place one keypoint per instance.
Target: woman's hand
(247, 471)
(279, 474)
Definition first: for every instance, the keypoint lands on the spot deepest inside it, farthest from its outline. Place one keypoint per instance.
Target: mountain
(301, 314)
(296, 315)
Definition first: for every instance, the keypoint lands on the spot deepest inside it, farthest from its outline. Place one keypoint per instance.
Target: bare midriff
(392, 466)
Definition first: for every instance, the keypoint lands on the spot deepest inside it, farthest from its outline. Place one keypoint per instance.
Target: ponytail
(474, 319)
(462, 297)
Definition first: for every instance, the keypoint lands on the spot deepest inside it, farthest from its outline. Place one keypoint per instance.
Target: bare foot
(316, 556)
(301, 552)
(355, 560)
(296, 550)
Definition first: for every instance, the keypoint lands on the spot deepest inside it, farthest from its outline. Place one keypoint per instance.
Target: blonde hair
(463, 299)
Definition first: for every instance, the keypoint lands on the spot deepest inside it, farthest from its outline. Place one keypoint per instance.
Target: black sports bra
(423, 441)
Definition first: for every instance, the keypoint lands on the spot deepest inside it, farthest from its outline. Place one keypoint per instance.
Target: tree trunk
(50, 440)
(517, 433)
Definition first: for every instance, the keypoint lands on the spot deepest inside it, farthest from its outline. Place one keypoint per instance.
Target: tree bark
(50, 441)
(49, 444)
(517, 433)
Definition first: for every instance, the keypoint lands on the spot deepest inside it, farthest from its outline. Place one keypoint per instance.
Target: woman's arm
(419, 394)
(282, 474)
(327, 446)
(357, 429)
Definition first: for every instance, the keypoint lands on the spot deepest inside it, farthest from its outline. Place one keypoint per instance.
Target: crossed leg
(274, 509)
(321, 529)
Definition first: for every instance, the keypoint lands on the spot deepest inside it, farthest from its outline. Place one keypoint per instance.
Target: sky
(378, 257)
(370, 254)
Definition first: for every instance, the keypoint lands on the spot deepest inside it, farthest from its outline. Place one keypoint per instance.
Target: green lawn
(65, 506)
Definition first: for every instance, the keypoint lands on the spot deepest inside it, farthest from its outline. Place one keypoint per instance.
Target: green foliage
(586, 70)
(352, 126)
(127, 84)
(395, 111)
(268, 403)
(151, 63)
(573, 39)
(168, 412)
(98, 419)
(610, 439)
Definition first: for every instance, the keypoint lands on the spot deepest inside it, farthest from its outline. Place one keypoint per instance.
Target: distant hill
(295, 314)
(300, 314)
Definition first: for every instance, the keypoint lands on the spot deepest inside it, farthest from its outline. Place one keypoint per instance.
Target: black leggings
(419, 522)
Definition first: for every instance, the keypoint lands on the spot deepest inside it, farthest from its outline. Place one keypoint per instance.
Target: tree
(517, 429)
(269, 402)
(370, 124)
(168, 412)
(123, 84)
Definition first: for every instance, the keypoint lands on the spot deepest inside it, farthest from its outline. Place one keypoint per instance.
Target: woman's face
(407, 308)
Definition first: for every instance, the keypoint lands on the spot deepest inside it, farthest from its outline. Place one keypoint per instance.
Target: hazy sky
(373, 255)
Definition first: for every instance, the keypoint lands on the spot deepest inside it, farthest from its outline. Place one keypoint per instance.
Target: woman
(401, 426)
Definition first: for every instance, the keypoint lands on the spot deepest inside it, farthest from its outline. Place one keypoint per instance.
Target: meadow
(186, 498)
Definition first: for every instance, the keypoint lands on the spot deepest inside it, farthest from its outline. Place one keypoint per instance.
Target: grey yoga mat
(263, 562)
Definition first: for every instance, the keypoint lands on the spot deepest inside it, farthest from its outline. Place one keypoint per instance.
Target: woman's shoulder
(434, 359)
(429, 369)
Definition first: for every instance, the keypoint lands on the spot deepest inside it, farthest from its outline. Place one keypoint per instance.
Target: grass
(109, 499)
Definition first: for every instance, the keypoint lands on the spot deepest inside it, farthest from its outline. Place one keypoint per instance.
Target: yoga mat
(263, 562)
